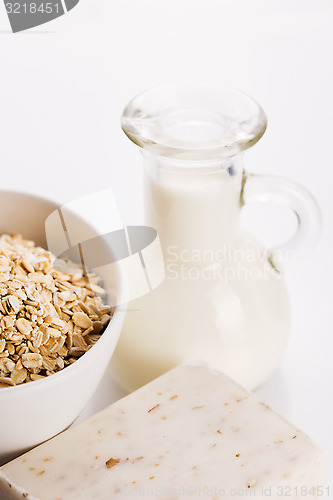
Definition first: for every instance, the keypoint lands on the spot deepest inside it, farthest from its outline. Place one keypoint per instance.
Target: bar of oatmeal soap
(192, 432)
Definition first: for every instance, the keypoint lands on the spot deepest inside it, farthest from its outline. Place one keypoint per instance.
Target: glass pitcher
(223, 299)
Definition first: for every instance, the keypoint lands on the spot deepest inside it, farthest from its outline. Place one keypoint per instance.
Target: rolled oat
(48, 318)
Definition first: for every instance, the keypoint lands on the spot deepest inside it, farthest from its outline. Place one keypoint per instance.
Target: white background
(62, 90)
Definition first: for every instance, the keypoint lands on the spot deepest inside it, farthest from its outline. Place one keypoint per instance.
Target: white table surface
(63, 87)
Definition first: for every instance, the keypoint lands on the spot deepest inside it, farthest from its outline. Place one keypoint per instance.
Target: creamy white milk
(221, 299)
(193, 210)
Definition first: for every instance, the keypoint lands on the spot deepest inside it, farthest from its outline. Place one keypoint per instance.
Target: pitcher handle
(265, 188)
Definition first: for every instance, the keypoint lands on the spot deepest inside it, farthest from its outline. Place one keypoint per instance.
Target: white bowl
(32, 413)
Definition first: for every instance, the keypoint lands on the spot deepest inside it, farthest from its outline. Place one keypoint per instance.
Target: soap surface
(192, 432)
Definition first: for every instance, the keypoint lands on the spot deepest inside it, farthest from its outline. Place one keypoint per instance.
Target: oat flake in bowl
(48, 317)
